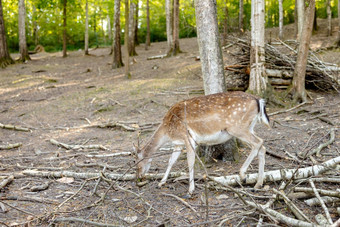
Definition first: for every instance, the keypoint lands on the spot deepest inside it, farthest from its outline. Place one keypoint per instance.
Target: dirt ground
(60, 98)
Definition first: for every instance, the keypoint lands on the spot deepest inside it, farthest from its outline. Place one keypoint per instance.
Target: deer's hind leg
(172, 160)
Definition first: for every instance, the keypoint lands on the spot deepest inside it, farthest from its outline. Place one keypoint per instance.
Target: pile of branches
(280, 63)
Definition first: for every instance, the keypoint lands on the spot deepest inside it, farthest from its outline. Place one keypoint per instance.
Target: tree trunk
(300, 6)
(136, 23)
(87, 28)
(132, 48)
(35, 26)
(126, 40)
(176, 49)
(280, 20)
(64, 31)
(117, 50)
(5, 58)
(169, 34)
(211, 62)
(240, 16)
(109, 29)
(257, 79)
(315, 23)
(298, 89)
(225, 24)
(22, 32)
(338, 42)
(329, 17)
(147, 40)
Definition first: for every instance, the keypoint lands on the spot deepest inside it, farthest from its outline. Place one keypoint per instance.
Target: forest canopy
(46, 16)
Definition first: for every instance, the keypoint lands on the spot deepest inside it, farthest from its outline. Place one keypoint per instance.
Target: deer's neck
(155, 142)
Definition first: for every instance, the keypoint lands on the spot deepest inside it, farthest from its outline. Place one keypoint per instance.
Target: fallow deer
(208, 120)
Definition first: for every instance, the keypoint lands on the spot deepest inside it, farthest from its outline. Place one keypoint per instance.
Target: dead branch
(157, 57)
(280, 217)
(182, 201)
(285, 111)
(112, 176)
(127, 153)
(320, 191)
(77, 147)
(10, 146)
(13, 127)
(323, 205)
(83, 221)
(29, 199)
(6, 181)
(283, 174)
(325, 199)
(41, 187)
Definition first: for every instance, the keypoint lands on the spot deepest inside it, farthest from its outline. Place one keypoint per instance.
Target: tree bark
(86, 28)
(298, 89)
(35, 26)
(5, 58)
(169, 34)
(22, 32)
(147, 40)
(338, 42)
(136, 23)
(300, 6)
(329, 18)
(258, 80)
(64, 31)
(225, 24)
(117, 50)
(126, 40)
(240, 16)
(109, 29)
(176, 49)
(280, 19)
(132, 48)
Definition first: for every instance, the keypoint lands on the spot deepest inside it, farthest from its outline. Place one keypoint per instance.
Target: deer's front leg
(261, 157)
(172, 161)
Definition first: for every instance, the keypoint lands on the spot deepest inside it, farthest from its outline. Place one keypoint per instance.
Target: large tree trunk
(257, 79)
(298, 89)
(169, 34)
(211, 63)
(5, 58)
(64, 27)
(300, 9)
(329, 18)
(240, 16)
(87, 28)
(132, 48)
(126, 40)
(22, 32)
(280, 19)
(117, 50)
(147, 39)
(176, 49)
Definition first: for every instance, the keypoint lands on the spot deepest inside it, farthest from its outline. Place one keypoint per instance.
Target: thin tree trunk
(132, 49)
(300, 5)
(298, 88)
(64, 31)
(315, 23)
(240, 16)
(87, 28)
(5, 58)
(329, 17)
(338, 42)
(169, 34)
(225, 24)
(126, 40)
(176, 48)
(280, 20)
(258, 79)
(109, 29)
(35, 26)
(147, 40)
(117, 50)
(136, 23)
(22, 32)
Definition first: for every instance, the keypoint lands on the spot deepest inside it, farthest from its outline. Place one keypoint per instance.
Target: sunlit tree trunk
(169, 34)
(258, 79)
(117, 50)
(329, 17)
(126, 40)
(280, 19)
(300, 9)
(298, 89)
(240, 16)
(147, 39)
(132, 48)
(35, 26)
(64, 27)
(5, 58)
(22, 32)
(87, 28)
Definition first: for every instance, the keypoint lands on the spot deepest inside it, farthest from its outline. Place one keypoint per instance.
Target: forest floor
(68, 99)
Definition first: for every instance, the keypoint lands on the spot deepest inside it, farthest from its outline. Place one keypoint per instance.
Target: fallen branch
(77, 147)
(108, 155)
(290, 109)
(10, 146)
(6, 181)
(112, 176)
(83, 221)
(29, 199)
(157, 57)
(182, 201)
(12, 127)
(277, 175)
(325, 199)
(320, 191)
